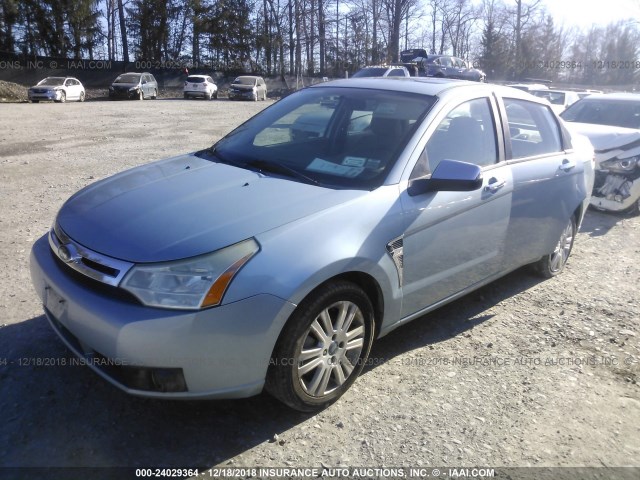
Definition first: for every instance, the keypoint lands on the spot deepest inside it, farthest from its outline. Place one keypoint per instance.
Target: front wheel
(63, 97)
(322, 348)
(553, 264)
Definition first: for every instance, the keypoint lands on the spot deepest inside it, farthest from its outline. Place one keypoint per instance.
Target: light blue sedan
(274, 258)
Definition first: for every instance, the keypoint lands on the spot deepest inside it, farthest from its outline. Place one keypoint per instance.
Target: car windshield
(245, 81)
(616, 113)
(52, 81)
(370, 72)
(338, 137)
(128, 78)
(195, 79)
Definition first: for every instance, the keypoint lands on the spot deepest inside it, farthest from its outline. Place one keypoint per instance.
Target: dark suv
(134, 85)
(444, 66)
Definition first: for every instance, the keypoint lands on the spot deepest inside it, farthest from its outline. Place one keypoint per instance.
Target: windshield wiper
(212, 152)
(261, 166)
(277, 167)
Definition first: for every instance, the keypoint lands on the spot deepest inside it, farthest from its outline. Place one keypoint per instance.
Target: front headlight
(193, 283)
(618, 165)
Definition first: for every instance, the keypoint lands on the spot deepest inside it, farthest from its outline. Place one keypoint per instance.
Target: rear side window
(533, 129)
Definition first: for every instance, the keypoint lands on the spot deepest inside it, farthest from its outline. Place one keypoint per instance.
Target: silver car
(132, 85)
(57, 89)
(612, 123)
(273, 259)
(248, 87)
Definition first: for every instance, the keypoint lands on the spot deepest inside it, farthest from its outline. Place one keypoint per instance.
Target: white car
(612, 124)
(57, 89)
(382, 71)
(559, 99)
(200, 86)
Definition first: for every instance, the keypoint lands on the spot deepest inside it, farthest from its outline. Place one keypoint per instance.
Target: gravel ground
(521, 373)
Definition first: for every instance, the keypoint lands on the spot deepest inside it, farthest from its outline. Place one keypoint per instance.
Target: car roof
(425, 85)
(248, 76)
(201, 76)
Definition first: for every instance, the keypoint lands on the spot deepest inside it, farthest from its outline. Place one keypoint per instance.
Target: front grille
(92, 264)
(96, 286)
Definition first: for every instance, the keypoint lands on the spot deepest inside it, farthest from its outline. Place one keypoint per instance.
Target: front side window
(533, 129)
(342, 137)
(466, 134)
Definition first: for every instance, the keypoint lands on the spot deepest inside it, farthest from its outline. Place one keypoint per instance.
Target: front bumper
(51, 96)
(126, 94)
(221, 352)
(615, 200)
(248, 94)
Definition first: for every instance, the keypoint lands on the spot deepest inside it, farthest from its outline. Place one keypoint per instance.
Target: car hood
(606, 137)
(186, 206)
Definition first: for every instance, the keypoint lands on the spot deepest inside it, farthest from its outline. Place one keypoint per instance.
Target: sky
(584, 13)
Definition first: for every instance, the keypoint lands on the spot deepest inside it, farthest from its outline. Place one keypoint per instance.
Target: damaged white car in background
(612, 124)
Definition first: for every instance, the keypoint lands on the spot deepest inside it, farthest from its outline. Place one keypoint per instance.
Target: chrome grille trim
(114, 270)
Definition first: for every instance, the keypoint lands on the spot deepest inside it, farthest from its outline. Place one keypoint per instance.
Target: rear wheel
(155, 95)
(322, 348)
(215, 95)
(553, 264)
(82, 96)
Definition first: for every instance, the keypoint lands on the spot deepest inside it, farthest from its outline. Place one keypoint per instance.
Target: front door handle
(567, 165)
(494, 185)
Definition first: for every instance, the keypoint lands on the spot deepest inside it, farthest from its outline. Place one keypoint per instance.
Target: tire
(155, 95)
(63, 97)
(82, 97)
(215, 95)
(553, 264)
(314, 361)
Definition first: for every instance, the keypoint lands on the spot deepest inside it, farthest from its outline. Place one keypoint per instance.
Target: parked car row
(140, 86)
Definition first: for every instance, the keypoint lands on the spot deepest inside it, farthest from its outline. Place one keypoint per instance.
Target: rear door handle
(494, 185)
(567, 165)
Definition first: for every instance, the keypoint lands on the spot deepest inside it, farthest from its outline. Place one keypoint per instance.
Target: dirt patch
(12, 92)
(521, 373)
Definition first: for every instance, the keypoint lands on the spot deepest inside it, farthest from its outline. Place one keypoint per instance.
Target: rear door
(455, 240)
(546, 176)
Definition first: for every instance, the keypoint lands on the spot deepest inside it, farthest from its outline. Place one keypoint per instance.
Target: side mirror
(449, 176)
